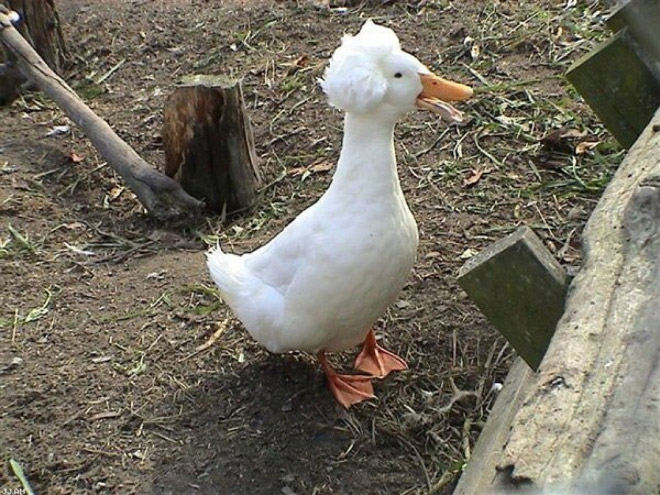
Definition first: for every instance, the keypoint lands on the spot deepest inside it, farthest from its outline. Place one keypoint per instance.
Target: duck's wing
(277, 262)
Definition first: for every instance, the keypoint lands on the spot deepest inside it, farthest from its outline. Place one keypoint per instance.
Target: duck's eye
(398, 75)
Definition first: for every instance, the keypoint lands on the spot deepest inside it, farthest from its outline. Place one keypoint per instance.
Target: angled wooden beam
(486, 454)
(589, 418)
(619, 85)
(519, 286)
(642, 18)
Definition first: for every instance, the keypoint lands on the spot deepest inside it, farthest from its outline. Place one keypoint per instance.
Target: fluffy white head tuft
(354, 81)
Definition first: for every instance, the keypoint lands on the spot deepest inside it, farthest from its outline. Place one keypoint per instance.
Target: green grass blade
(18, 471)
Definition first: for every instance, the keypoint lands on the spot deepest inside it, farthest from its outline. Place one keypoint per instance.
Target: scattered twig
(214, 338)
(107, 75)
(444, 480)
(222, 326)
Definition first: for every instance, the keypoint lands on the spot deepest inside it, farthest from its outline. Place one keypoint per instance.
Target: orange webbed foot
(376, 361)
(347, 389)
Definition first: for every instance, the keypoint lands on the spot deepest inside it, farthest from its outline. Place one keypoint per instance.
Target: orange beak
(438, 92)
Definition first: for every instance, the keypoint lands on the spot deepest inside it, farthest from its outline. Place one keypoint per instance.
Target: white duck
(320, 284)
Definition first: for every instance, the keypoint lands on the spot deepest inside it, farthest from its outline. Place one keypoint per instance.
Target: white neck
(367, 163)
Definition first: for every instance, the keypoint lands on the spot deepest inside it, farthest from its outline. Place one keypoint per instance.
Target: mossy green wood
(588, 419)
(642, 18)
(619, 86)
(519, 286)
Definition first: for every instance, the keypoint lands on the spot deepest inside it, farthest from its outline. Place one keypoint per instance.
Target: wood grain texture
(208, 143)
(519, 286)
(593, 409)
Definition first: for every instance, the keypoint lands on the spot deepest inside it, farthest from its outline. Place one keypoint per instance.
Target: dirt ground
(101, 308)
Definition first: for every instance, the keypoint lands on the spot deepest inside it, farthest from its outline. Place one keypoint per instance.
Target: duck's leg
(375, 360)
(347, 389)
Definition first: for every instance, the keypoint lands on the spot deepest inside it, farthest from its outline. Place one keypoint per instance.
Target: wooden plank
(592, 414)
(520, 288)
(619, 86)
(642, 18)
(486, 454)
(626, 10)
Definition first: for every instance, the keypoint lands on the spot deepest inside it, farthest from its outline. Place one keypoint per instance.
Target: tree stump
(209, 147)
(40, 25)
(162, 196)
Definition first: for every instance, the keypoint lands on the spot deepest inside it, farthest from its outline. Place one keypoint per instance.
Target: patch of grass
(20, 474)
(292, 83)
(211, 240)
(33, 314)
(204, 299)
(18, 244)
(5, 248)
(89, 90)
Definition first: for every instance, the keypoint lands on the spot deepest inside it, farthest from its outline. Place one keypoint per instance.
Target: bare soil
(102, 309)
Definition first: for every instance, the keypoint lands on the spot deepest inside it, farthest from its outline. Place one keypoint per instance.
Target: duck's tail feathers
(227, 271)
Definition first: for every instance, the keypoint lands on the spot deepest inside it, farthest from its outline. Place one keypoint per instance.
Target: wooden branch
(39, 24)
(593, 410)
(162, 196)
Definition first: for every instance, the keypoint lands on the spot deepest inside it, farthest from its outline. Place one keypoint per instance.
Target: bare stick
(162, 196)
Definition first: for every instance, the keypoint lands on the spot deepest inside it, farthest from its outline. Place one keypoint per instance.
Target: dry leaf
(473, 178)
(468, 253)
(58, 130)
(302, 60)
(74, 226)
(323, 166)
(475, 51)
(78, 250)
(516, 211)
(315, 168)
(559, 139)
(585, 146)
(115, 192)
(75, 157)
(298, 63)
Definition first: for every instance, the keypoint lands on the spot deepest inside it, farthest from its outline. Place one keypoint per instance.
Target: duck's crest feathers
(353, 81)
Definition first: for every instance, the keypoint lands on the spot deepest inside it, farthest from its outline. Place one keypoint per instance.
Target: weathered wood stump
(590, 417)
(208, 142)
(40, 25)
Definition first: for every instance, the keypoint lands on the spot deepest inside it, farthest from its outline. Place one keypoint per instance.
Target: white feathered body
(330, 274)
